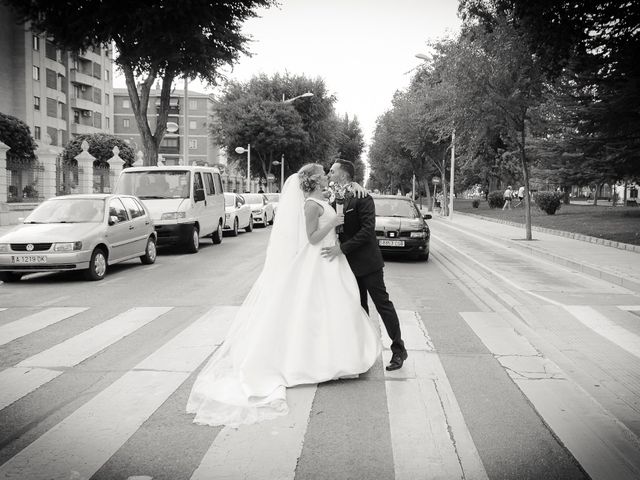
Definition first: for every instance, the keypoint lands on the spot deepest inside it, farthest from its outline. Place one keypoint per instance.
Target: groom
(358, 242)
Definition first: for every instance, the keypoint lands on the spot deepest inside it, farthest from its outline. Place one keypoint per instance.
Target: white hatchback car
(78, 232)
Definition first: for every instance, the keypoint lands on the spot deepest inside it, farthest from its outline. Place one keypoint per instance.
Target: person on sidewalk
(508, 196)
(358, 242)
(520, 196)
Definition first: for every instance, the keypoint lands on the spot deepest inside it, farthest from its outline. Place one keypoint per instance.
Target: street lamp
(241, 150)
(281, 162)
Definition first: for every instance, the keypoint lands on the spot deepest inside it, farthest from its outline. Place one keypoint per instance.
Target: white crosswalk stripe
(35, 322)
(39, 369)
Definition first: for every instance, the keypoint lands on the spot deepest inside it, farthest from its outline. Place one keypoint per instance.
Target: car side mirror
(427, 216)
(113, 219)
(198, 195)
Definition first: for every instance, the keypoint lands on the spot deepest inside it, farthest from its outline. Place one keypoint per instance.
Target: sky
(363, 49)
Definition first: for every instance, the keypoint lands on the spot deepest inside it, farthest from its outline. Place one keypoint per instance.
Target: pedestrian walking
(520, 196)
(508, 196)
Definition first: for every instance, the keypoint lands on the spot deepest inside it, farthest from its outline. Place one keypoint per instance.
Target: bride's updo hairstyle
(310, 175)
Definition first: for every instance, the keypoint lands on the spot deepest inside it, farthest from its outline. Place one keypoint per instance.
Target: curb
(561, 233)
(583, 267)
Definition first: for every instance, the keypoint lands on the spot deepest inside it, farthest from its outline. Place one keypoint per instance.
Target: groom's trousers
(373, 284)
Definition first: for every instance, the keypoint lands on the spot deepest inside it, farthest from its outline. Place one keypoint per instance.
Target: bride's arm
(312, 212)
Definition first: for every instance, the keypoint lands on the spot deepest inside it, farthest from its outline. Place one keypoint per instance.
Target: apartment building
(58, 94)
(201, 148)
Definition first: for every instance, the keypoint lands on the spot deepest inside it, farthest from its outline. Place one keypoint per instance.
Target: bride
(301, 322)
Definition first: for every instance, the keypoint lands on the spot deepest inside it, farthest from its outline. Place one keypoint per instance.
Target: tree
(100, 146)
(350, 144)
(16, 135)
(163, 40)
(304, 130)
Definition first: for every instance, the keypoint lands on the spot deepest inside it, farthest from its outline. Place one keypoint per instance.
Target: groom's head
(342, 171)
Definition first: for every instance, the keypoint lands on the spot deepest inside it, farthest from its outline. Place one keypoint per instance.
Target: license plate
(391, 243)
(29, 259)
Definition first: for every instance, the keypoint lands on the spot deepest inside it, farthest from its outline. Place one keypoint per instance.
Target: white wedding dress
(301, 323)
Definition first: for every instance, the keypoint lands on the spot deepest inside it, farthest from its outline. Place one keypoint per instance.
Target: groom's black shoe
(397, 359)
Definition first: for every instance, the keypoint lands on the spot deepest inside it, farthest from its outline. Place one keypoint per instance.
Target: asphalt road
(517, 369)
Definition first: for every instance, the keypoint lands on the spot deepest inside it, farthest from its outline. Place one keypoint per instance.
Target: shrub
(549, 202)
(495, 199)
(475, 203)
(100, 146)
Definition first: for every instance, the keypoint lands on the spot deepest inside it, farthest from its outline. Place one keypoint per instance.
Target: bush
(100, 146)
(495, 199)
(475, 203)
(549, 202)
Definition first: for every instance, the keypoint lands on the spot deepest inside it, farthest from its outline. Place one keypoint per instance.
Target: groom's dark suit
(359, 244)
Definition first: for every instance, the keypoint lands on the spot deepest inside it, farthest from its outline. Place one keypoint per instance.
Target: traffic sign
(271, 177)
(435, 180)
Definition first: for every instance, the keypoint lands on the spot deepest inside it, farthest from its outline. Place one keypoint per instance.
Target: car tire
(424, 256)
(193, 242)
(217, 235)
(150, 252)
(97, 265)
(234, 231)
(272, 218)
(10, 277)
(249, 227)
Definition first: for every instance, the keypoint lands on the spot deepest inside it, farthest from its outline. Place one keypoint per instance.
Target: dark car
(400, 227)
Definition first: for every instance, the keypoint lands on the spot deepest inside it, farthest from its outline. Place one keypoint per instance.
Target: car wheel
(234, 232)
(193, 242)
(217, 235)
(10, 277)
(150, 252)
(272, 218)
(97, 266)
(424, 256)
(250, 226)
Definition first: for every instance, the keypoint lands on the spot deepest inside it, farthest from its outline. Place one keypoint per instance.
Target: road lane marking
(55, 300)
(429, 436)
(630, 308)
(37, 321)
(2, 309)
(265, 450)
(602, 445)
(35, 371)
(81, 443)
(604, 327)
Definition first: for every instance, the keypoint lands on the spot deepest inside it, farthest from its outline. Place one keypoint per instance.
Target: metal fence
(67, 176)
(102, 178)
(24, 179)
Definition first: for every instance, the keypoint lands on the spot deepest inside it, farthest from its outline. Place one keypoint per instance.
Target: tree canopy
(16, 134)
(154, 39)
(100, 146)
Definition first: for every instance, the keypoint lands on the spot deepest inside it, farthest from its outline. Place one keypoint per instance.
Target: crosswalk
(429, 436)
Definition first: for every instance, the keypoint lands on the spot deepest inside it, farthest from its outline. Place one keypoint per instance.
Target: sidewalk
(614, 265)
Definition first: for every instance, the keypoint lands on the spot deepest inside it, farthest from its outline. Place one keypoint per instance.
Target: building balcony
(82, 104)
(80, 129)
(76, 76)
(89, 55)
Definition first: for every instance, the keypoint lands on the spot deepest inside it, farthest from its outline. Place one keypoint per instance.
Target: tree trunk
(596, 194)
(525, 175)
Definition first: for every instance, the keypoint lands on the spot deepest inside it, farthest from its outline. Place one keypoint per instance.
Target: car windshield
(254, 197)
(151, 184)
(272, 197)
(68, 210)
(390, 207)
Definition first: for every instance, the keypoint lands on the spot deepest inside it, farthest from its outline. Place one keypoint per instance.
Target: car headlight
(173, 215)
(4, 247)
(417, 235)
(67, 246)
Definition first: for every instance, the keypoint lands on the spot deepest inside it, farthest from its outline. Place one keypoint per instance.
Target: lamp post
(242, 150)
(281, 162)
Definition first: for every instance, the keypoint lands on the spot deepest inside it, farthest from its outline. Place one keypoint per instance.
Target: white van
(185, 202)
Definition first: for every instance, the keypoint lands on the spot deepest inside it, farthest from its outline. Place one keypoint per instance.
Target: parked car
(237, 214)
(273, 198)
(78, 232)
(261, 208)
(186, 202)
(400, 227)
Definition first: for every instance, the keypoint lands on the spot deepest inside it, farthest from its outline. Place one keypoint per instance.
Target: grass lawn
(620, 224)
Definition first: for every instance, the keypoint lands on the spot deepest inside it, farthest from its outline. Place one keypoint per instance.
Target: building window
(193, 104)
(36, 73)
(126, 123)
(37, 132)
(192, 125)
(76, 116)
(52, 108)
(50, 51)
(107, 75)
(36, 103)
(193, 144)
(169, 142)
(126, 103)
(106, 99)
(51, 79)
(106, 122)
(36, 42)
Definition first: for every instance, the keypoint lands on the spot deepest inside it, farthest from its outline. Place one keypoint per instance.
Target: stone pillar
(48, 156)
(115, 167)
(3, 173)
(85, 165)
(139, 159)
